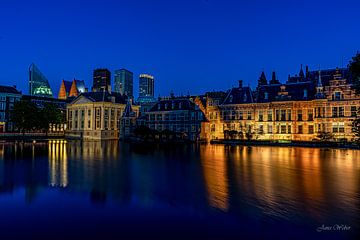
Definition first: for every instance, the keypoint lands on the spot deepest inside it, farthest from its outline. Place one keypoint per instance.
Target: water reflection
(304, 185)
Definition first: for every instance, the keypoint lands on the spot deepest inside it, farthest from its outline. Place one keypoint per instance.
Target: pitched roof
(239, 95)
(103, 96)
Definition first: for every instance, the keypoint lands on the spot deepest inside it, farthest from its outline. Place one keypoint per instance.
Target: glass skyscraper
(38, 84)
(123, 82)
(102, 80)
(146, 85)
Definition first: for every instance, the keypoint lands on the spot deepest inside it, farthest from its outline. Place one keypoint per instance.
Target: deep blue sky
(188, 45)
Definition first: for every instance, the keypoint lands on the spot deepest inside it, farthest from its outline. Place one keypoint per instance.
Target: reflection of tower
(58, 164)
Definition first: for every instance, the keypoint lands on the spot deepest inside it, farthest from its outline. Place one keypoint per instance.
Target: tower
(123, 82)
(101, 80)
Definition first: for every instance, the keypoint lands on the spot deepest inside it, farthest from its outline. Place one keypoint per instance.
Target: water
(109, 190)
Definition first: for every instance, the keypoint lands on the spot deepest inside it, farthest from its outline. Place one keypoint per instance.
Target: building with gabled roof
(96, 115)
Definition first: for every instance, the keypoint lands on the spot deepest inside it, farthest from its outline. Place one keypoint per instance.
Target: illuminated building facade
(306, 105)
(123, 82)
(179, 115)
(8, 96)
(38, 83)
(101, 80)
(71, 89)
(96, 116)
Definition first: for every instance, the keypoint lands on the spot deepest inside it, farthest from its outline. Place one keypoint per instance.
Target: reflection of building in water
(58, 164)
(213, 163)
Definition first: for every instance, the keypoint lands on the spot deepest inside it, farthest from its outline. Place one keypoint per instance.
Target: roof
(239, 95)
(173, 105)
(128, 112)
(103, 97)
(8, 89)
(286, 92)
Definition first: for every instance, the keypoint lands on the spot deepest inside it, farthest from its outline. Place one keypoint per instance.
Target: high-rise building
(38, 84)
(102, 80)
(124, 82)
(146, 85)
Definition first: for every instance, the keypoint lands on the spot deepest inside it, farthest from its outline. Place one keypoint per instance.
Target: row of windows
(175, 127)
(175, 117)
(283, 114)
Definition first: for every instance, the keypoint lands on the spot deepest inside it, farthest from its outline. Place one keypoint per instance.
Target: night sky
(188, 45)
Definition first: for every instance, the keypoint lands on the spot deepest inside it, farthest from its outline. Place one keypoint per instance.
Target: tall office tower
(102, 80)
(38, 84)
(146, 86)
(123, 82)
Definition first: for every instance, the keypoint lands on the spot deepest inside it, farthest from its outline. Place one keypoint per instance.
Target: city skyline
(202, 45)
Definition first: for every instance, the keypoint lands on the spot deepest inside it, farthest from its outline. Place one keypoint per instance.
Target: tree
(25, 116)
(354, 68)
(356, 129)
(325, 136)
(49, 115)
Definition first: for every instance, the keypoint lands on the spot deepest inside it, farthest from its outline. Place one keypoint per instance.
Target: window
(334, 111)
(270, 128)
(89, 124)
(240, 115)
(289, 115)
(249, 115)
(310, 115)
(269, 115)
(300, 129)
(261, 116)
(337, 96)
(338, 127)
(283, 129)
(341, 111)
(289, 128)
(311, 129)
(212, 128)
(305, 93)
(283, 115)
(353, 111)
(299, 115)
(261, 129)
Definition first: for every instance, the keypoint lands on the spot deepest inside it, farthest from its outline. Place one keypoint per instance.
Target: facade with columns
(299, 110)
(96, 116)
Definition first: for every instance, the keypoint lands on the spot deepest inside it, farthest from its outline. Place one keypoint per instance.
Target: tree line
(28, 117)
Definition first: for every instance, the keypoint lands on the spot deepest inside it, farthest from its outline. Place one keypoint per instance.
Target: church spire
(301, 74)
(319, 88)
(262, 80)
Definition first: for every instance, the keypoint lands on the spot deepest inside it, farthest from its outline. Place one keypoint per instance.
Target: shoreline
(334, 145)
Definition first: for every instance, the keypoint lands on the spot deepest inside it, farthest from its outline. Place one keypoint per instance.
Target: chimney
(240, 83)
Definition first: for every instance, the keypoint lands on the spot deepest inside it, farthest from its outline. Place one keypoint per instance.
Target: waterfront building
(38, 83)
(101, 80)
(178, 115)
(128, 121)
(71, 89)
(8, 96)
(299, 110)
(96, 115)
(123, 82)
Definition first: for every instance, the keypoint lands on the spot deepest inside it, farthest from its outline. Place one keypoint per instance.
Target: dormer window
(159, 106)
(231, 98)
(245, 97)
(305, 93)
(282, 88)
(266, 97)
(180, 105)
(172, 105)
(337, 96)
(166, 106)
